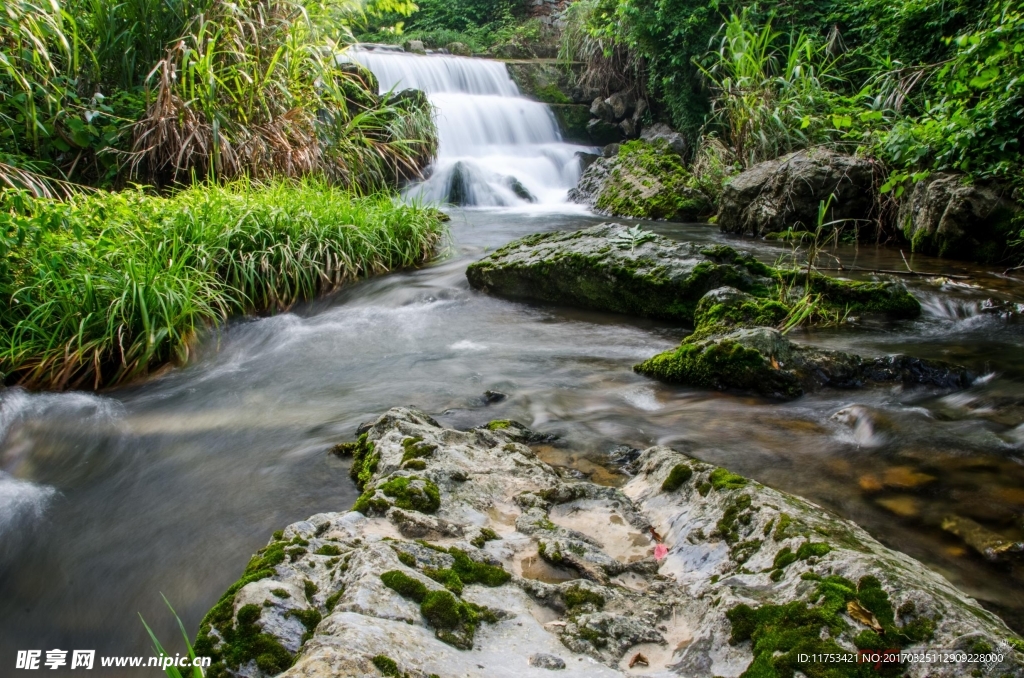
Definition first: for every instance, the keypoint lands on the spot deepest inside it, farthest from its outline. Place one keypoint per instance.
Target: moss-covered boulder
(611, 267)
(736, 346)
(949, 217)
(645, 180)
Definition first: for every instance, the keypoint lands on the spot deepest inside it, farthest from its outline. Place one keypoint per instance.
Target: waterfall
(496, 147)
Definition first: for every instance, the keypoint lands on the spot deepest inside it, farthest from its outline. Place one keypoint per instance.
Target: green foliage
(108, 286)
(158, 649)
(679, 474)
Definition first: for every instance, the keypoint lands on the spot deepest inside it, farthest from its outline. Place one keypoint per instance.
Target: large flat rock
(611, 267)
(695, 570)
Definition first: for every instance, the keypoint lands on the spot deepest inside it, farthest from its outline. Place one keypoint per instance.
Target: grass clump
(106, 287)
(679, 474)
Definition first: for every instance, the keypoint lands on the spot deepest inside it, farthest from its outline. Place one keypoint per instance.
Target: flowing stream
(168, 486)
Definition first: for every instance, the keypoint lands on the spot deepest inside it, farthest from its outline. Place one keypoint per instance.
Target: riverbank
(107, 287)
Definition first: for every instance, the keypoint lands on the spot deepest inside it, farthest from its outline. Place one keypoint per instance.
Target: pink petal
(660, 551)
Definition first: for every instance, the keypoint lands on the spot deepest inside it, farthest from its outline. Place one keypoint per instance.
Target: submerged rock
(643, 179)
(736, 346)
(344, 594)
(763, 360)
(947, 217)
(614, 268)
(786, 193)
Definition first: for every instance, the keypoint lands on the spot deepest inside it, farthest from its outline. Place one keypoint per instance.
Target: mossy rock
(614, 268)
(647, 180)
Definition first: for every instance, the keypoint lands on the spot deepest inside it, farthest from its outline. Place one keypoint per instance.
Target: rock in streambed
(700, 571)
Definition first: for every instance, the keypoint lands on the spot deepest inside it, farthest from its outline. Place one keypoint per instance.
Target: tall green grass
(105, 287)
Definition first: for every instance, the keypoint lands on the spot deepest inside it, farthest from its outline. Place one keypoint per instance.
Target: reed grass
(105, 287)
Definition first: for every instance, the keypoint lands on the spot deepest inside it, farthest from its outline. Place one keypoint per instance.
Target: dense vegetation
(920, 85)
(255, 142)
(480, 25)
(107, 286)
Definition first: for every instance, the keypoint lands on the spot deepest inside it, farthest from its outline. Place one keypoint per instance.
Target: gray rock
(785, 193)
(547, 661)
(947, 217)
(731, 546)
(415, 46)
(586, 159)
(459, 49)
(659, 130)
(610, 151)
(602, 110)
(621, 104)
(609, 267)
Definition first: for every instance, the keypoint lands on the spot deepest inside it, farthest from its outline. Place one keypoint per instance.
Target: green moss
(721, 365)
(447, 578)
(550, 555)
(332, 600)
(741, 551)
(786, 556)
(364, 459)
(407, 559)
(679, 474)
(328, 550)
(780, 634)
(281, 593)
(486, 535)
(738, 512)
(577, 595)
(498, 424)
(387, 666)
(412, 493)
(278, 535)
(596, 638)
(551, 94)
(704, 488)
(310, 589)
(722, 479)
(441, 608)
(712, 319)
(415, 465)
(415, 448)
(404, 585)
(649, 181)
(855, 297)
(472, 572)
(309, 618)
(785, 520)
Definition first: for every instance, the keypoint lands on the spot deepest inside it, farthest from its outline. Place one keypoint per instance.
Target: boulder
(674, 140)
(737, 346)
(614, 268)
(602, 132)
(700, 571)
(601, 110)
(621, 104)
(414, 46)
(786, 193)
(645, 180)
(459, 49)
(945, 216)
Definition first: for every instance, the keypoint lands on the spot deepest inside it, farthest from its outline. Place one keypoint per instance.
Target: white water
(493, 142)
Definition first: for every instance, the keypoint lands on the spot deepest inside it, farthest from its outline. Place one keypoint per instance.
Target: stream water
(168, 486)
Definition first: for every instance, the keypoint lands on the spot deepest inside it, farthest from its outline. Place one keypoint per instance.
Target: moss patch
(577, 596)
(454, 621)
(721, 365)
(679, 474)
(364, 459)
(498, 424)
(486, 535)
(649, 181)
(780, 634)
(411, 493)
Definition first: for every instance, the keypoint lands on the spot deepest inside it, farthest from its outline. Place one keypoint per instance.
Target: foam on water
(493, 142)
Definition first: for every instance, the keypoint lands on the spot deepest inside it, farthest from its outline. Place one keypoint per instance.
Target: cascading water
(496, 147)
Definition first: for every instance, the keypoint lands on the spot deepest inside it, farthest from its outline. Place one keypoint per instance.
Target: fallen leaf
(863, 615)
(638, 659)
(655, 535)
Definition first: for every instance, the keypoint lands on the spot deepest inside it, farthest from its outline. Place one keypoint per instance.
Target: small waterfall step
(496, 147)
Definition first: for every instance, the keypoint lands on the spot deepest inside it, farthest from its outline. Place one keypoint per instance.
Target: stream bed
(109, 500)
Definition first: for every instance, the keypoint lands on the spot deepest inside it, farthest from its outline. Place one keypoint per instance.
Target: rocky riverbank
(472, 557)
